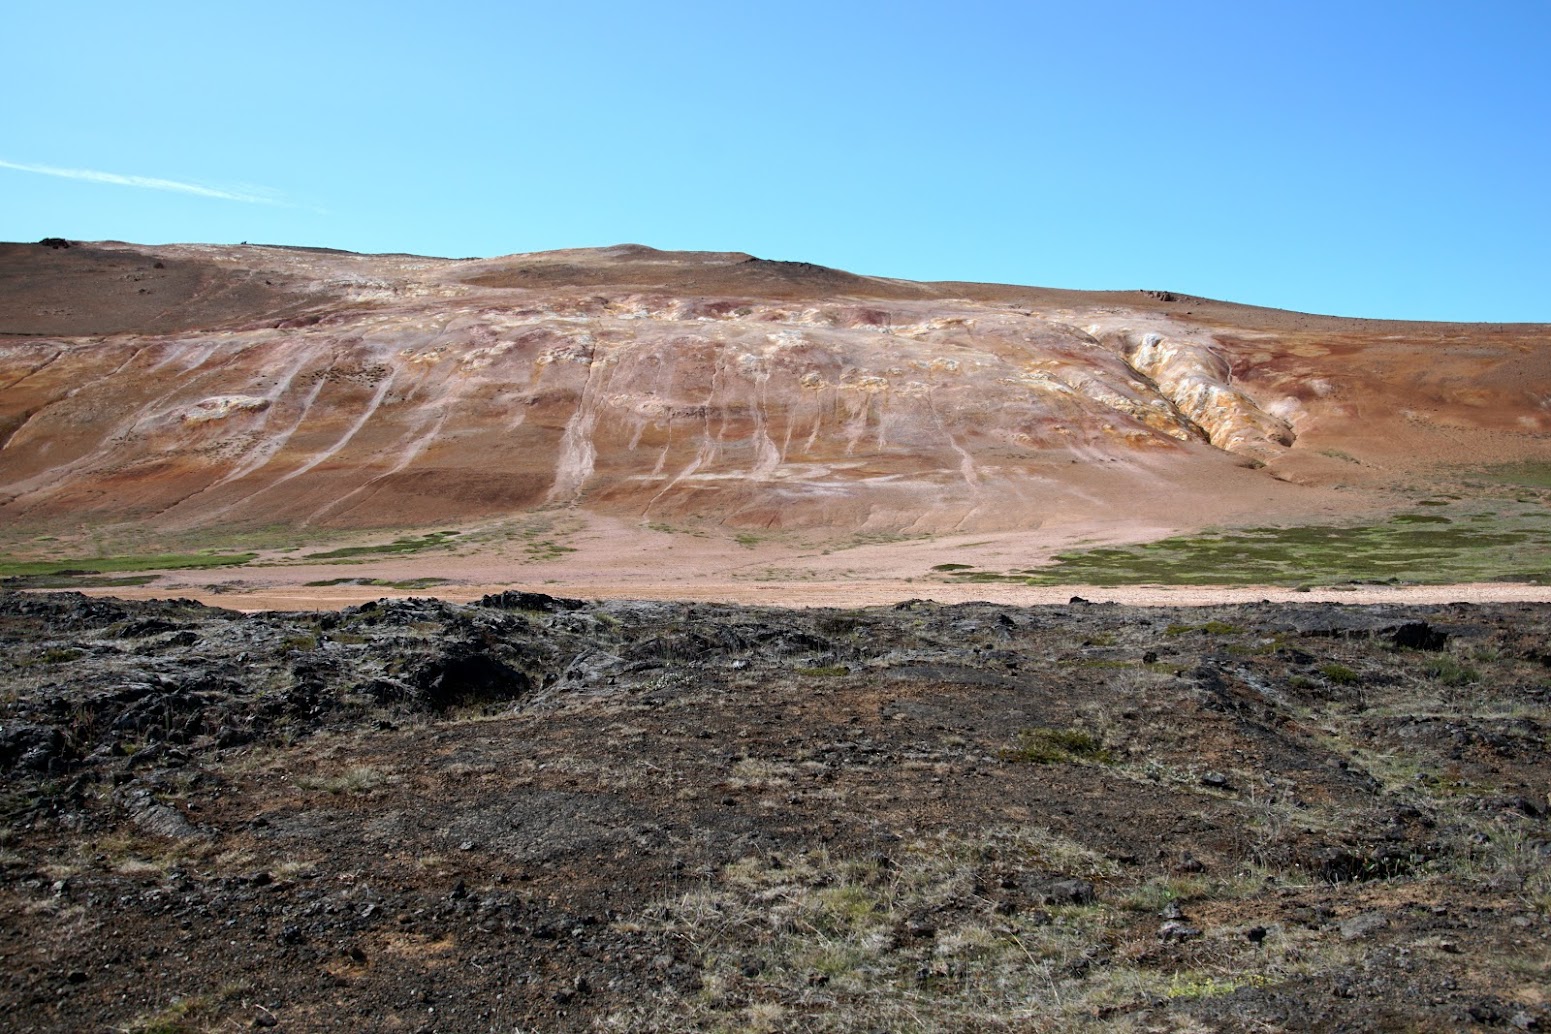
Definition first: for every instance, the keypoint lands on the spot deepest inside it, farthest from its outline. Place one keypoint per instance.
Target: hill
(187, 396)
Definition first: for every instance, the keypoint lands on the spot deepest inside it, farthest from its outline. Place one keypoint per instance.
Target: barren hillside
(197, 386)
(576, 415)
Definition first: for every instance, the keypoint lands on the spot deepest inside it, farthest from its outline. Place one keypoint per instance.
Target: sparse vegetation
(916, 940)
(696, 817)
(195, 1014)
(1213, 627)
(353, 780)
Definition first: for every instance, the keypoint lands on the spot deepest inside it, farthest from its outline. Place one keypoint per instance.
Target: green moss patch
(1528, 474)
(409, 544)
(1510, 542)
(407, 583)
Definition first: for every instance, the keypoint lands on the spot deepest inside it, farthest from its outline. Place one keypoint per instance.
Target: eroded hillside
(201, 386)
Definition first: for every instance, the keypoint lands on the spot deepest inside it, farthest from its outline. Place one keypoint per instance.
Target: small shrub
(1153, 895)
(1043, 746)
(827, 671)
(1450, 671)
(1340, 674)
(356, 779)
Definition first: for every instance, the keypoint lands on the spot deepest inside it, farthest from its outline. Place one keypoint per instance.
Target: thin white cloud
(147, 182)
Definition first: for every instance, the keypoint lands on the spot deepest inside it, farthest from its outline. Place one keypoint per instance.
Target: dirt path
(852, 594)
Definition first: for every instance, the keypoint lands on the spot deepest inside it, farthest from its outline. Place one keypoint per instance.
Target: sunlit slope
(303, 387)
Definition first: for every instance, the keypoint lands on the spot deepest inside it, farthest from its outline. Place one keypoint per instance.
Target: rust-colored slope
(300, 386)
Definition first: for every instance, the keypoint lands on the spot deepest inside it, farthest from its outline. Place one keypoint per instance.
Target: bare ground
(532, 814)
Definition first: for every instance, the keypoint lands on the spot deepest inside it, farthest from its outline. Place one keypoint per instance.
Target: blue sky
(1369, 159)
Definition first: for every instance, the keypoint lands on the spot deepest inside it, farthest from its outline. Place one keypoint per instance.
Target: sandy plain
(610, 559)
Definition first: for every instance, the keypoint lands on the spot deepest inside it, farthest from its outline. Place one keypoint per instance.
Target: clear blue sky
(1387, 159)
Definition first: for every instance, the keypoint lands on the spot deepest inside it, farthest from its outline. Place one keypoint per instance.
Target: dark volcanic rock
(29, 746)
(466, 675)
(536, 601)
(1419, 635)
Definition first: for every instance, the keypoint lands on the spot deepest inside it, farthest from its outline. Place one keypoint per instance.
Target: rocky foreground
(534, 813)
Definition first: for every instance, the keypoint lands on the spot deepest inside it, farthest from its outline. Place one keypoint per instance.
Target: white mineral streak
(1154, 413)
(578, 454)
(222, 406)
(1197, 381)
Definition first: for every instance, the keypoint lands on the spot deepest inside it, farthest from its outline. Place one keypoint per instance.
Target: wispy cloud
(247, 196)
